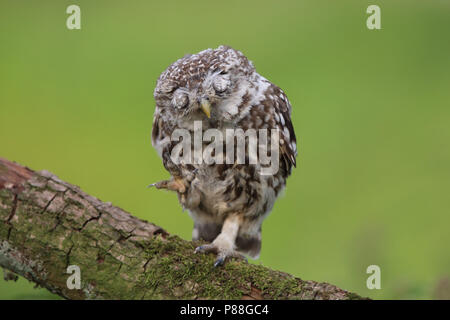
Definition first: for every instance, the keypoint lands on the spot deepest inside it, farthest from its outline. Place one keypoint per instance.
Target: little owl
(220, 89)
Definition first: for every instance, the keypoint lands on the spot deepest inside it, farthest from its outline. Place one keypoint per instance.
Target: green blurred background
(370, 108)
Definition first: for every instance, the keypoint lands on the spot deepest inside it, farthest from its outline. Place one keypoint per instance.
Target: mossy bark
(47, 224)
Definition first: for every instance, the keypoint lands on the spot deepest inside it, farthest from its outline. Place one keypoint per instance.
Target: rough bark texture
(47, 224)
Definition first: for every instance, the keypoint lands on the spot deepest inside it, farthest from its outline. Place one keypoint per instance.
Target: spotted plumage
(228, 202)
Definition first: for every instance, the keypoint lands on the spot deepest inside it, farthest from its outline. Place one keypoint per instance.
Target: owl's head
(208, 85)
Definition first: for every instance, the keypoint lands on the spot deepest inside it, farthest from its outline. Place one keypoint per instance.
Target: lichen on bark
(47, 224)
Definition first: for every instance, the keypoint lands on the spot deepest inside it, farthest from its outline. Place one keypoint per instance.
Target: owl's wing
(158, 134)
(161, 132)
(282, 119)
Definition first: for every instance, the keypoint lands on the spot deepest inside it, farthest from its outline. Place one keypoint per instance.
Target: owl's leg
(175, 184)
(224, 244)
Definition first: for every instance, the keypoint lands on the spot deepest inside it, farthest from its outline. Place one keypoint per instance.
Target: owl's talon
(219, 262)
(159, 185)
(205, 248)
(222, 254)
(172, 185)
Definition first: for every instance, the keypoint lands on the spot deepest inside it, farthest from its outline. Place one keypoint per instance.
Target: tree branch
(47, 224)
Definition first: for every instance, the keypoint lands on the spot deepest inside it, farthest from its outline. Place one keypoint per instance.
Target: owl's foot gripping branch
(49, 227)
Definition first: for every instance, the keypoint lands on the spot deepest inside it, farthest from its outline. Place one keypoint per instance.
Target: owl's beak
(206, 107)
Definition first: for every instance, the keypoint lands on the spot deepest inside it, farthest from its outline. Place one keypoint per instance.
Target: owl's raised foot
(172, 185)
(223, 250)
